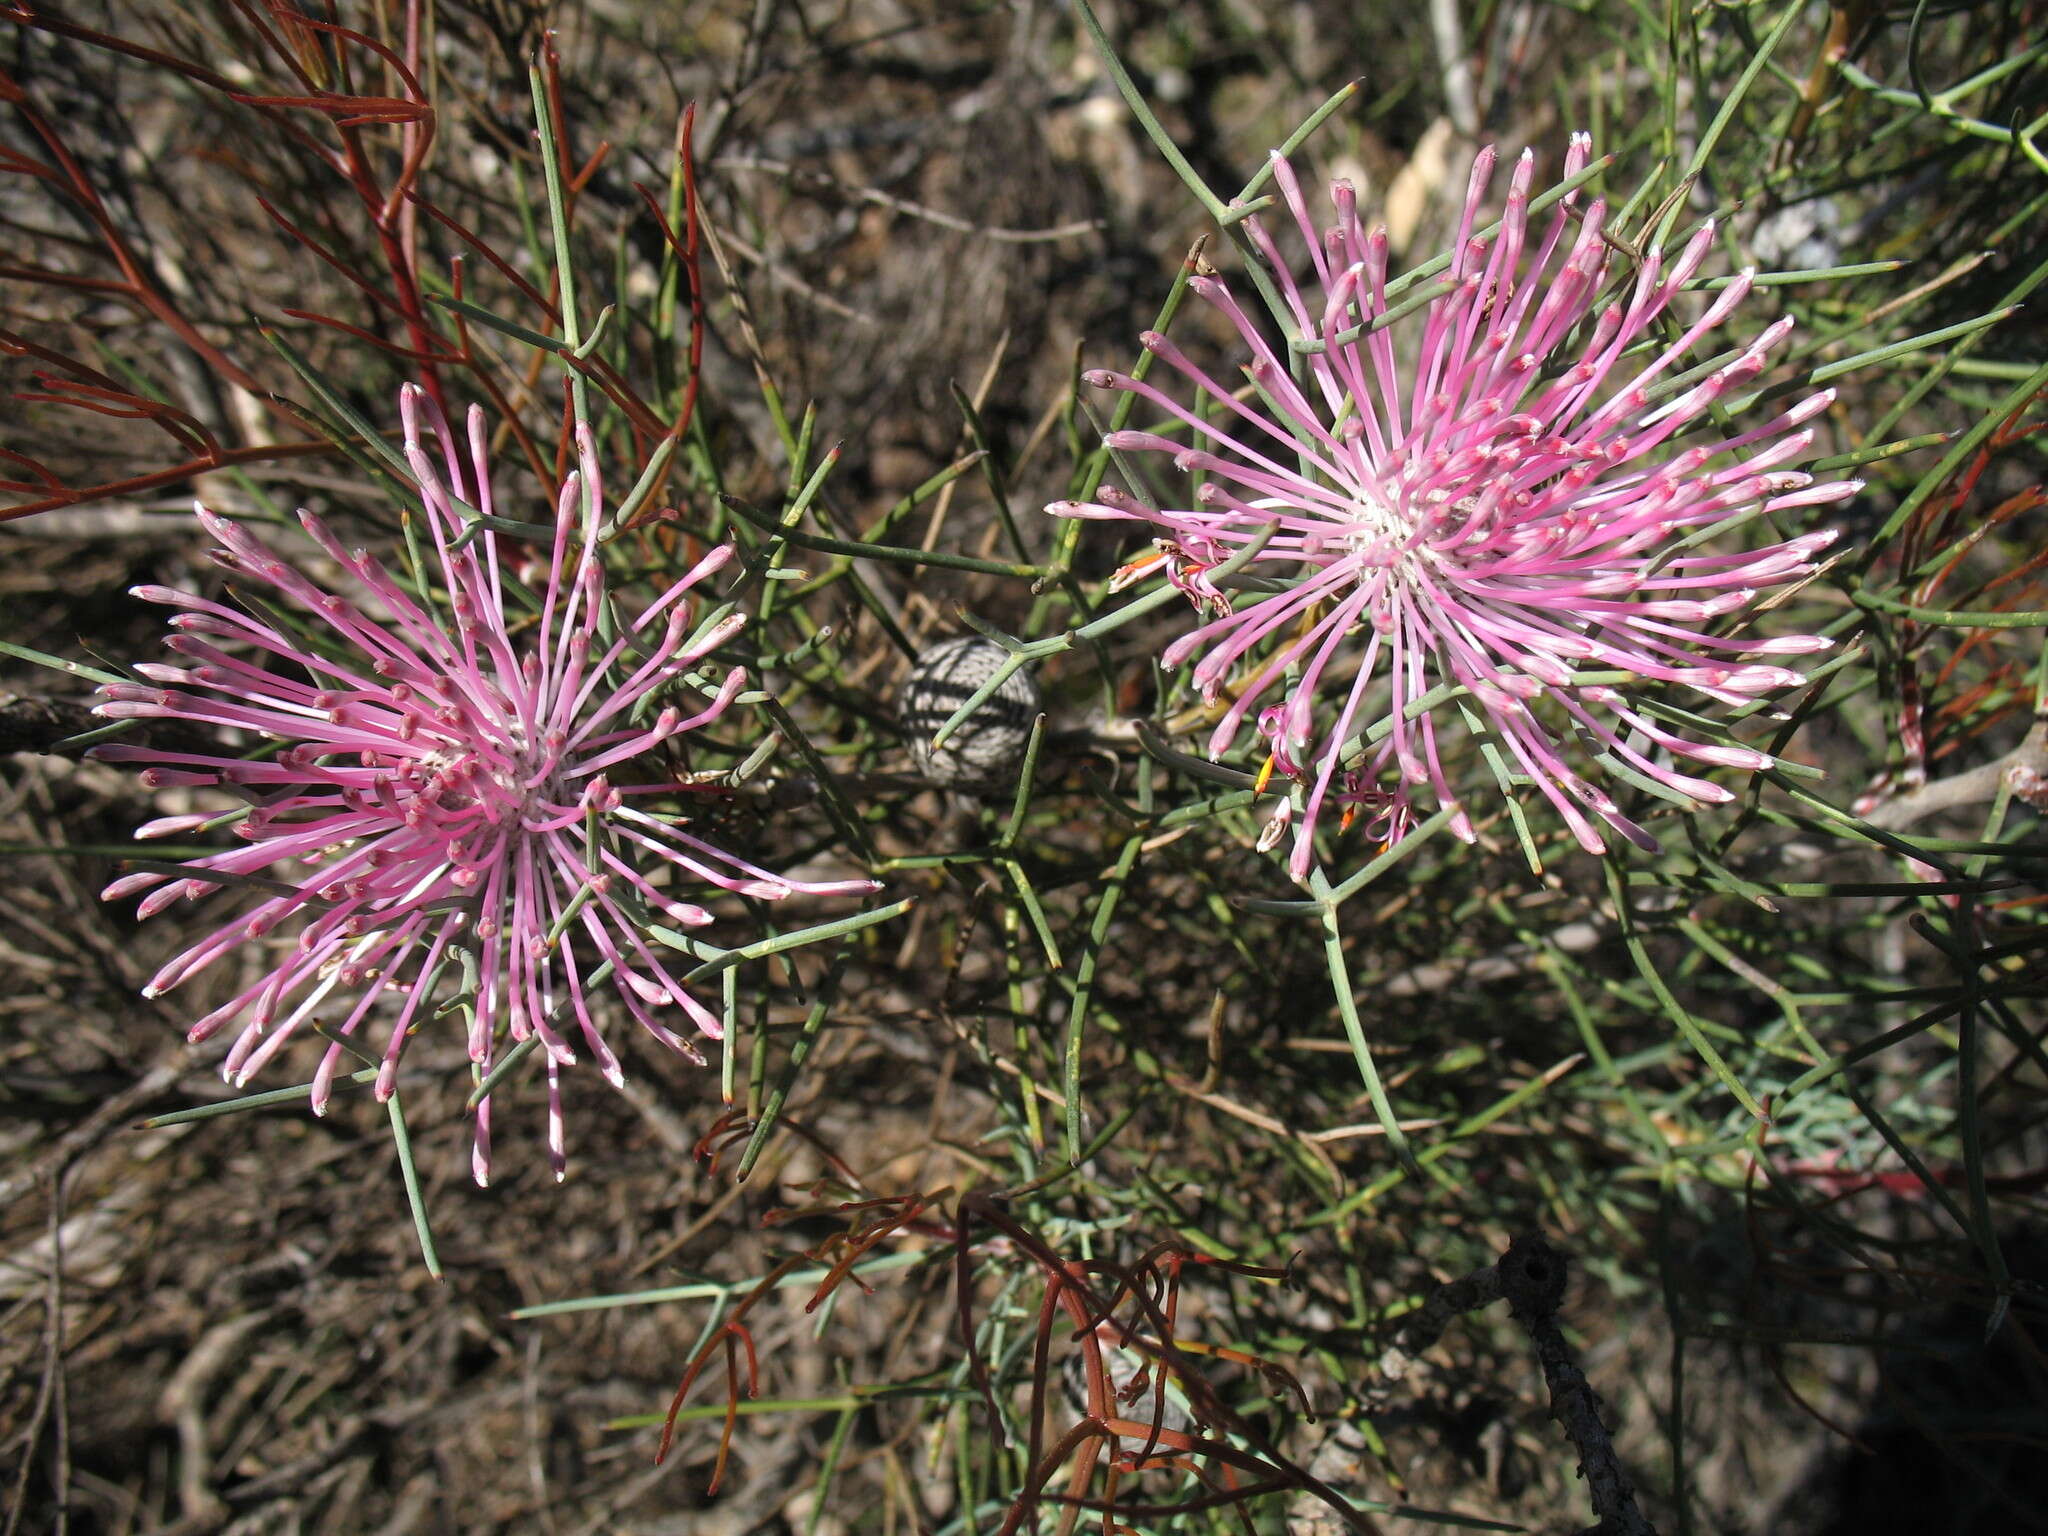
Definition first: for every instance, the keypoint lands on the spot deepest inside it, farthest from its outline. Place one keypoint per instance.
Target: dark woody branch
(1531, 1278)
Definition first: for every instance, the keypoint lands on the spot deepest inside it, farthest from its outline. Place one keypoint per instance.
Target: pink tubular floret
(1507, 512)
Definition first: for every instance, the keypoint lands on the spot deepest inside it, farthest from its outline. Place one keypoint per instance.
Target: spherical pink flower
(1507, 510)
(451, 793)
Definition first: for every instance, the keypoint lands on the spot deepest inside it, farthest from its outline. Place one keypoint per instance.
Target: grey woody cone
(988, 747)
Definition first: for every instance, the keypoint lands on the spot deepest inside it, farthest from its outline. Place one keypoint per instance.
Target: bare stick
(2026, 763)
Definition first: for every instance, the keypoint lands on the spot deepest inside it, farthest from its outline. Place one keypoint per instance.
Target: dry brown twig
(51, 1404)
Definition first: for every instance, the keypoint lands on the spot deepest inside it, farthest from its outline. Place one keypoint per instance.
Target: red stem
(162, 477)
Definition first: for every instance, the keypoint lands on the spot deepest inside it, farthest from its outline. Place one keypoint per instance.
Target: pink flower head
(1496, 516)
(451, 790)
